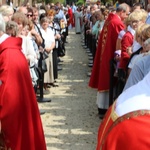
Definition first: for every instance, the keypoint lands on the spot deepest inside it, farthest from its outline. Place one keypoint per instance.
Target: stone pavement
(71, 121)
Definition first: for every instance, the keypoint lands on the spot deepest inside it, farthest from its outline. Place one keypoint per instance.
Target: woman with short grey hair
(7, 12)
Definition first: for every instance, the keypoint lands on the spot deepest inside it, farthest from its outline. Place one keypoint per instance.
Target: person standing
(100, 77)
(70, 13)
(49, 39)
(77, 16)
(74, 8)
(20, 122)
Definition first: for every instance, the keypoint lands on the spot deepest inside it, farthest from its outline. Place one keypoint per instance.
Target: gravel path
(71, 121)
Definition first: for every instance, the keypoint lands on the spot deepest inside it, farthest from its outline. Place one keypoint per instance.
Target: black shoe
(43, 100)
(59, 69)
(90, 61)
(90, 65)
(85, 46)
(48, 86)
(60, 61)
(42, 112)
(101, 113)
(90, 57)
(53, 85)
(90, 54)
(101, 116)
(78, 32)
(89, 74)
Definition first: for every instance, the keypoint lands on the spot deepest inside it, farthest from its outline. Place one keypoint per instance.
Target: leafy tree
(80, 2)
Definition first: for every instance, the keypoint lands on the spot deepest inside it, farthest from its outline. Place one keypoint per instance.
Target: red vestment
(70, 16)
(127, 41)
(100, 76)
(128, 132)
(104, 126)
(19, 113)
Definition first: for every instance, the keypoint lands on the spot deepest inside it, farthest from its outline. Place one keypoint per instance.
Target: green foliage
(80, 2)
(107, 1)
(52, 1)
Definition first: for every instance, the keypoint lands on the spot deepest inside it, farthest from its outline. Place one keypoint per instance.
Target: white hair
(147, 41)
(6, 10)
(2, 23)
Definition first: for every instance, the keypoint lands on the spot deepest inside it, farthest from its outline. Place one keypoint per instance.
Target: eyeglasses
(29, 15)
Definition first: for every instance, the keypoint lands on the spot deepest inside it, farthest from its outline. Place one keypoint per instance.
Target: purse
(45, 54)
(44, 66)
(61, 49)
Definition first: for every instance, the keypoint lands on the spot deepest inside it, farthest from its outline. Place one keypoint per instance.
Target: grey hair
(2, 23)
(147, 42)
(122, 7)
(13, 26)
(6, 10)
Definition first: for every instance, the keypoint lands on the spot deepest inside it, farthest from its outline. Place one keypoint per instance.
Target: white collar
(131, 30)
(3, 37)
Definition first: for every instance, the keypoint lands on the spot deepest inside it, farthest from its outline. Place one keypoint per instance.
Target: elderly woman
(27, 44)
(12, 28)
(56, 30)
(141, 67)
(27, 47)
(136, 18)
(20, 122)
(7, 12)
(49, 39)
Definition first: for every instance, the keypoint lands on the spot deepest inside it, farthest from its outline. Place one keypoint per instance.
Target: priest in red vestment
(100, 77)
(21, 126)
(126, 123)
(70, 13)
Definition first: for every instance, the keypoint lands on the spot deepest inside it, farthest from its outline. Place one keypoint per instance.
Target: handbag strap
(43, 43)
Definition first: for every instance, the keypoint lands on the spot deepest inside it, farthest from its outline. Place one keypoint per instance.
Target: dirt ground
(70, 121)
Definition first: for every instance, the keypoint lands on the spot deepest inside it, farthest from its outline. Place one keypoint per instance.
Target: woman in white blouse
(49, 39)
(27, 46)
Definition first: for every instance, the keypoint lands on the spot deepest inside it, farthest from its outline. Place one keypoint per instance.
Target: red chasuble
(104, 126)
(70, 16)
(19, 113)
(128, 132)
(105, 52)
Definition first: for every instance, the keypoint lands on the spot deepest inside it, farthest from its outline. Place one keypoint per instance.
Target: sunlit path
(71, 121)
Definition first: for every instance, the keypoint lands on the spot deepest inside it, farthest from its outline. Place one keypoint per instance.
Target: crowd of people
(117, 40)
(32, 42)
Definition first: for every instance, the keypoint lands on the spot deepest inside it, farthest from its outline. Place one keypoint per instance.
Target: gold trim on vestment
(104, 38)
(123, 118)
(112, 116)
